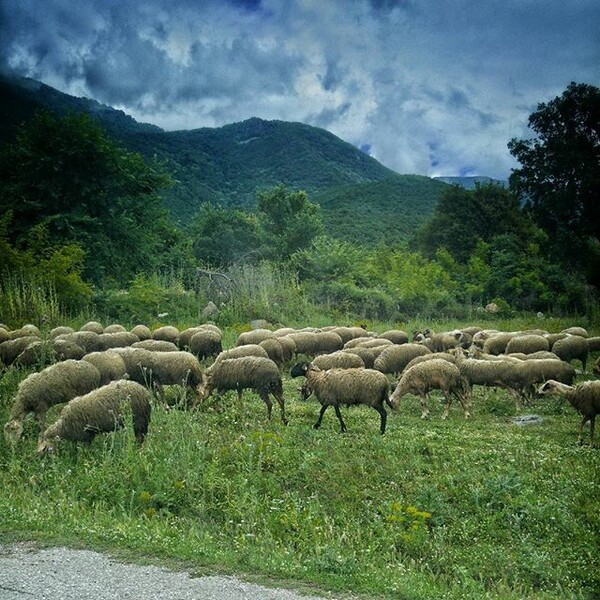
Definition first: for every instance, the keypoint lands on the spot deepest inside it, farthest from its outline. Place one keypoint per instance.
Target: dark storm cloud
(436, 87)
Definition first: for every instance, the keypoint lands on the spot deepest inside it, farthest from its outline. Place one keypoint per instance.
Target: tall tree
(559, 176)
(67, 175)
(288, 220)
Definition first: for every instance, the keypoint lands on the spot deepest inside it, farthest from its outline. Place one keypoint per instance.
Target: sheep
(395, 357)
(553, 337)
(583, 397)
(349, 333)
(367, 355)
(527, 344)
(142, 331)
(4, 335)
(436, 373)
(100, 411)
(61, 330)
(275, 351)
(36, 353)
(593, 343)
(64, 349)
(56, 384)
(115, 328)
(10, 349)
(441, 342)
(26, 330)
(580, 331)
(396, 336)
(87, 340)
(496, 343)
(167, 333)
(245, 350)
(368, 343)
(253, 337)
(156, 345)
(287, 345)
(254, 372)
(597, 366)
(117, 339)
(338, 360)
(572, 347)
(161, 368)
(434, 355)
(92, 326)
(110, 365)
(206, 343)
(334, 387)
(533, 356)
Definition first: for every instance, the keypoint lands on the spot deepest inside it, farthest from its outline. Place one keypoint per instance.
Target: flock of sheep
(101, 375)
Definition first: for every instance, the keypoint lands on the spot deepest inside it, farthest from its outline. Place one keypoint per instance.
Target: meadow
(479, 508)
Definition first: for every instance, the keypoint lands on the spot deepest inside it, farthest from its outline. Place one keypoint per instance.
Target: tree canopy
(559, 176)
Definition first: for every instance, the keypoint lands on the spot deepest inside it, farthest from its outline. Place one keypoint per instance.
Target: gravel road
(27, 571)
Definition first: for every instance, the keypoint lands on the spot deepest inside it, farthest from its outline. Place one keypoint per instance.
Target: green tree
(223, 237)
(463, 217)
(288, 222)
(559, 176)
(68, 175)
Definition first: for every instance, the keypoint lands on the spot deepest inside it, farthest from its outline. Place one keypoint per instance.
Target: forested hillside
(228, 165)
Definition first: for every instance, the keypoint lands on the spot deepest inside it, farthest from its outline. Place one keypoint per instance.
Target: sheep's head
(47, 446)
(13, 430)
(204, 389)
(550, 387)
(299, 369)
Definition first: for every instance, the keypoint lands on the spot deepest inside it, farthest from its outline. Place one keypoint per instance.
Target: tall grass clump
(28, 298)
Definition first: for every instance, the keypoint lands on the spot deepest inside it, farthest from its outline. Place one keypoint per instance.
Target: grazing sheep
(396, 336)
(334, 387)
(533, 356)
(553, 337)
(527, 344)
(593, 343)
(434, 355)
(61, 330)
(117, 339)
(168, 333)
(583, 397)
(349, 333)
(142, 331)
(247, 372)
(186, 335)
(597, 366)
(65, 349)
(394, 358)
(56, 384)
(580, 331)
(245, 350)
(26, 330)
(92, 326)
(338, 360)
(446, 340)
(275, 350)
(368, 343)
(36, 353)
(87, 340)
(367, 355)
(572, 347)
(114, 328)
(434, 374)
(110, 365)
(496, 343)
(161, 368)
(10, 349)
(206, 343)
(4, 335)
(100, 411)
(253, 337)
(156, 345)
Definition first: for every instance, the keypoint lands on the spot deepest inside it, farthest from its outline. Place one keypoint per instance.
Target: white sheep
(338, 360)
(100, 411)
(395, 357)
(572, 347)
(335, 387)
(434, 374)
(247, 372)
(583, 397)
(56, 384)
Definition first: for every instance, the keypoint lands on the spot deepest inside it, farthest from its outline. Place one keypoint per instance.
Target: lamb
(110, 365)
(334, 387)
(572, 347)
(436, 373)
(338, 360)
(253, 372)
(583, 397)
(527, 344)
(394, 358)
(56, 384)
(100, 411)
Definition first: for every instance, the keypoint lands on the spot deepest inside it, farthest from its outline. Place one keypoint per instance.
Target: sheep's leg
(265, 397)
(339, 416)
(383, 414)
(592, 423)
(448, 397)
(321, 413)
(281, 402)
(424, 408)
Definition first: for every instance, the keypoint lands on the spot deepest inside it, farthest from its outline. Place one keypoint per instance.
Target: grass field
(481, 508)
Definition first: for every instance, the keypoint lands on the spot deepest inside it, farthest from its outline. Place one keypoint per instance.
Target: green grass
(446, 509)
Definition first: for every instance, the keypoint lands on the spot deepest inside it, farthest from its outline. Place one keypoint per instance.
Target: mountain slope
(228, 165)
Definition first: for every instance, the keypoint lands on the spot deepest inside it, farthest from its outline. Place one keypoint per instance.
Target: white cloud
(432, 87)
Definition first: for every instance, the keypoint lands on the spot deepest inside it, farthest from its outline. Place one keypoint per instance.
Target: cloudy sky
(434, 87)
